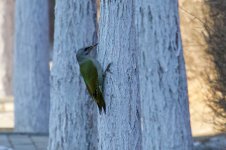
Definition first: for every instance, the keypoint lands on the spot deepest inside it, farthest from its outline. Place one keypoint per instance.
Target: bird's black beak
(91, 47)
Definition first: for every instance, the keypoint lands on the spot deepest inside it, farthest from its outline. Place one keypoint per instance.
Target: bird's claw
(108, 68)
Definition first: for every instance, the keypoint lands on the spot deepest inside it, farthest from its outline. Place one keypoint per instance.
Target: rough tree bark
(31, 75)
(6, 46)
(120, 127)
(73, 116)
(163, 88)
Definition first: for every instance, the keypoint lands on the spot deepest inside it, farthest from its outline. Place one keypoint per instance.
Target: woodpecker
(92, 74)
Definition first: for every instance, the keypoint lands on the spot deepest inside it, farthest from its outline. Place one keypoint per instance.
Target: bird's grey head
(85, 51)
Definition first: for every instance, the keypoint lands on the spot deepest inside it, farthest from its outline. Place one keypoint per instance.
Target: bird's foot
(107, 70)
(105, 74)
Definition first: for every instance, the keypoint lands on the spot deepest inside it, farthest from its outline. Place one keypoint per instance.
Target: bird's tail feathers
(101, 104)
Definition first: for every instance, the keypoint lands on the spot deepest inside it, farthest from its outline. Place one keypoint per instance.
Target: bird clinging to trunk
(92, 74)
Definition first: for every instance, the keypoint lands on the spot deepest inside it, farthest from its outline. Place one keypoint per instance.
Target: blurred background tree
(31, 66)
(196, 26)
(6, 46)
(215, 36)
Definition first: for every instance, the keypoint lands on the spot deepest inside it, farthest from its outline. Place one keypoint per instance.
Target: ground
(17, 141)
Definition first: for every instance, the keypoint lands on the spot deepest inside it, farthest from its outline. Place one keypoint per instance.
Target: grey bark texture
(6, 46)
(73, 116)
(31, 73)
(163, 88)
(120, 128)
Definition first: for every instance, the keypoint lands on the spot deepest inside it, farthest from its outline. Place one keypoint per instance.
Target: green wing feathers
(90, 75)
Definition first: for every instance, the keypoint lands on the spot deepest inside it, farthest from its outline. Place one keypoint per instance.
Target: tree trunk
(163, 88)
(31, 76)
(73, 116)
(119, 129)
(6, 46)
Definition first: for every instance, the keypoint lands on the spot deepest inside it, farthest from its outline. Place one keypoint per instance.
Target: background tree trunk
(163, 88)
(6, 46)
(119, 129)
(31, 76)
(73, 117)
